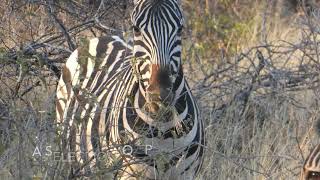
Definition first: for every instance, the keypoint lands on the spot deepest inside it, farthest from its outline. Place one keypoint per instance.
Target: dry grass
(254, 72)
(259, 103)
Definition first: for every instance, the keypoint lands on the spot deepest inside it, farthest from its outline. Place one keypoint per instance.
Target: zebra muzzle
(160, 88)
(164, 97)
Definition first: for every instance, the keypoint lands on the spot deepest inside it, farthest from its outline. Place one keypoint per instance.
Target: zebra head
(157, 26)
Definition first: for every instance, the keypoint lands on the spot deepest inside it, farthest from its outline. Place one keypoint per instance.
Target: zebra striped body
(311, 167)
(132, 101)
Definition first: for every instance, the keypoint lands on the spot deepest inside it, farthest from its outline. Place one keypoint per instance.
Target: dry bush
(36, 37)
(253, 67)
(260, 101)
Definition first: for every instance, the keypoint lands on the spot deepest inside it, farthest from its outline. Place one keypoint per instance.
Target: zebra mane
(156, 2)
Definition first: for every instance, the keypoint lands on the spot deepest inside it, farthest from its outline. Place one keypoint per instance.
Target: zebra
(131, 99)
(311, 167)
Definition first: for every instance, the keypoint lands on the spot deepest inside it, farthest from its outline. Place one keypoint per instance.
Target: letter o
(125, 148)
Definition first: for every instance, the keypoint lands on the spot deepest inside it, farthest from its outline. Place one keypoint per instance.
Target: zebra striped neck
(181, 112)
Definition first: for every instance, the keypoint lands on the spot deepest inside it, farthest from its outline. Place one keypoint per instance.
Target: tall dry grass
(253, 67)
(258, 94)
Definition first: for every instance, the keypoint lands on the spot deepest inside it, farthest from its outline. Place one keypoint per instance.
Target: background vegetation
(253, 66)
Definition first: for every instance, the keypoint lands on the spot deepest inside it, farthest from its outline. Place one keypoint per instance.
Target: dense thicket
(253, 66)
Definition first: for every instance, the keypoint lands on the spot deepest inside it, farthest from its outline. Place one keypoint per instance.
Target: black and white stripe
(157, 26)
(113, 93)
